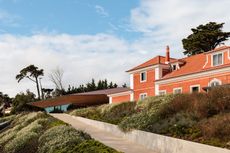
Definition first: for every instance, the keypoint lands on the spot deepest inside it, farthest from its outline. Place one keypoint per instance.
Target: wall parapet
(155, 142)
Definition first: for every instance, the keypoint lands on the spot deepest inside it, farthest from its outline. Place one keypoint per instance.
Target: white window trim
(142, 95)
(229, 53)
(217, 54)
(145, 77)
(179, 88)
(206, 61)
(110, 100)
(173, 67)
(214, 80)
(164, 91)
(197, 85)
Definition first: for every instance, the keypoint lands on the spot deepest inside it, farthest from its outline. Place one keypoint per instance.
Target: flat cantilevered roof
(81, 99)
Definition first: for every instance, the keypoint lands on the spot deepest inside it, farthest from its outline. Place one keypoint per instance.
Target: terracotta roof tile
(151, 62)
(194, 64)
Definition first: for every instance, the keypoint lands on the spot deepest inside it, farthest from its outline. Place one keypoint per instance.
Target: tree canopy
(204, 38)
(5, 102)
(21, 100)
(32, 73)
(91, 86)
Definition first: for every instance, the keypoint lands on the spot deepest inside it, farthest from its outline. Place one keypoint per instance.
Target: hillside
(40, 133)
(199, 117)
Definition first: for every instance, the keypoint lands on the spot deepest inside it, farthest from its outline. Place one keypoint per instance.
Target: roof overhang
(146, 68)
(79, 100)
(193, 75)
(218, 49)
(97, 97)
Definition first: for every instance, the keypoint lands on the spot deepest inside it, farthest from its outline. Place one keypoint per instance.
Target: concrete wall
(156, 142)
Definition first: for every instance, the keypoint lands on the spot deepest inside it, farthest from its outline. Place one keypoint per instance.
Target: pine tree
(204, 38)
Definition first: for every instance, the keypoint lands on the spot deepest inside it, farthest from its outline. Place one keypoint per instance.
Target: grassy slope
(203, 118)
(41, 133)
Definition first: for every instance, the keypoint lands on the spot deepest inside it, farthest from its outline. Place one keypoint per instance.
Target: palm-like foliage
(32, 73)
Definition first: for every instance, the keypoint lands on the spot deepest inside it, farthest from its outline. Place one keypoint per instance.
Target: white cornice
(149, 68)
(229, 53)
(196, 75)
(120, 94)
(143, 69)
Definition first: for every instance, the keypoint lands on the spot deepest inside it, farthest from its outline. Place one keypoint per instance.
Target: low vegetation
(108, 113)
(199, 117)
(41, 133)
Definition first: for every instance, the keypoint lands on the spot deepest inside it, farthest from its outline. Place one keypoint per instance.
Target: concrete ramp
(107, 138)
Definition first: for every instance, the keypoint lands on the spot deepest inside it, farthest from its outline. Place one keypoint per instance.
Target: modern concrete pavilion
(85, 99)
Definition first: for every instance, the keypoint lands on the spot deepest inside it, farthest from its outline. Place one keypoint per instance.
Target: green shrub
(137, 121)
(60, 137)
(154, 103)
(38, 132)
(90, 112)
(200, 105)
(117, 112)
(25, 143)
(202, 117)
(147, 113)
(219, 100)
(25, 140)
(7, 118)
(180, 103)
(19, 123)
(20, 103)
(180, 125)
(54, 122)
(114, 113)
(216, 127)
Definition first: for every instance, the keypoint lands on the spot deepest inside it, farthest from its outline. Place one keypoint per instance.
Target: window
(143, 96)
(217, 59)
(173, 67)
(177, 90)
(194, 89)
(215, 82)
(143, 76)
(162, 92)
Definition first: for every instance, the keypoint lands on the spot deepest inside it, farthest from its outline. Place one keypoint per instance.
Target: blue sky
(95, 38)
(68, 16)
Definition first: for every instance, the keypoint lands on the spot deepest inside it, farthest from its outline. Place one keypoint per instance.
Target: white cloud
(82, 57)
(162, 22)
(169, 21)
(101, 11)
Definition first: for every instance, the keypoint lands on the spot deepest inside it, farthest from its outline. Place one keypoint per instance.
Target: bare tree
(56, 77)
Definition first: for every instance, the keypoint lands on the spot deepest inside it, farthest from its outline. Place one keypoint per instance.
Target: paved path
(106, 138)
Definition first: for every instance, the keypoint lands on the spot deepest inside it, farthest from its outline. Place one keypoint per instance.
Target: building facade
(165, 75)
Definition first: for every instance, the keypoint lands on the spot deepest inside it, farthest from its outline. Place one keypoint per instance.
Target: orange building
(164, 75)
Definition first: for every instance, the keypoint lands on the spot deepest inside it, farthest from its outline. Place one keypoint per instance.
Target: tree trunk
(39, 97)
